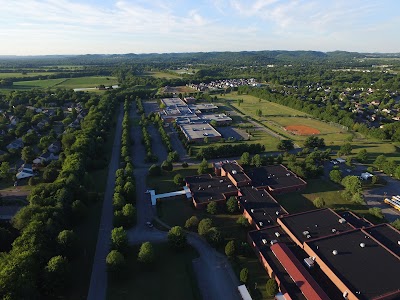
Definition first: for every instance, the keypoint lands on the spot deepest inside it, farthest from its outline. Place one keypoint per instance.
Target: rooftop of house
(206, 188)
(314, 224)
(260, 205)
(367, 268)
(274, 176)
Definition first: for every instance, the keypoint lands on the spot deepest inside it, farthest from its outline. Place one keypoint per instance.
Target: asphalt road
(98, 280)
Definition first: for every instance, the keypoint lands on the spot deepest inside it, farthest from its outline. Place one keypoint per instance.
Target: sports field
(160, 74)
(27, 75)
(302, 130)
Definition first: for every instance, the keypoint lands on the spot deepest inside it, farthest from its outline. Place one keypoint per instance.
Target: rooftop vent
(398, 243)
(209, 186)
(342, 220)
(308, 236)
(333, 230)
(277, 213)
(287, 174)
(265, 214)
(305, 232)
(252, 210)
(264, 241)
(277, 234)
(273, 242)
(261, 223)
(221, 181)
(234, 172)
(362, 245)
(335, 252)
(229, 185)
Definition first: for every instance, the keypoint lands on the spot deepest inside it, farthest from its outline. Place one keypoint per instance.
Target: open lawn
(170, 277)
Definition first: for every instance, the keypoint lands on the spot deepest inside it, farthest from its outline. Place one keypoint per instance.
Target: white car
(149, 224)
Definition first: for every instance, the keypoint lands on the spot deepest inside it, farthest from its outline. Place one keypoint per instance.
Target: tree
(380, 161)
(55, 275)
(243, 222)
(203, 167)
(119, 239)
(146, 253)
(285, 145)
(50, 174)
(271, 287)
(178, 180)
(204, 226)
(335, 176)
(129, 215)
(256, 160)
(167, 165)
(129, 191)
(377, 212)
(155, 170)
(244, 275)
(396, 224)
(4, 170)
(358, 198)
(319, 202)
(362, 156)
(27, 154)
(79, 210)
(345, 149)
(245, 159)
(68, 242)
(352, 184)
(177, 237)
(212, 208)
(230, 249)
(214, 236)
(314, 142)
(118, 201)
(115, 261)
(232, 204)
(193, 221)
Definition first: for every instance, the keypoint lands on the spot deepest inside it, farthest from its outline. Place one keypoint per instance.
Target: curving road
(98, 280)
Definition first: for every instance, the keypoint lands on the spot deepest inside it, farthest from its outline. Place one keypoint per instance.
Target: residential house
(55, 147)
(16, 144)
(45, 157)
(25, 171)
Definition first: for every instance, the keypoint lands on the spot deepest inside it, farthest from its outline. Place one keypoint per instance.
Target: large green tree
(177, 237)
(146, 253)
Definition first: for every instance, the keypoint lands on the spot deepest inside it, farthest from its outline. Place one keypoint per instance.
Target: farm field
(160, 74)
(20, 75)
(78, 82)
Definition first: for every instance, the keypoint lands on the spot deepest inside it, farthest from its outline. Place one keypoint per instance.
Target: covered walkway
(154, 197)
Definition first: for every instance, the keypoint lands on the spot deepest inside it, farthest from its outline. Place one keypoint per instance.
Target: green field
(27, 75)
(171, 278)
(68, 83)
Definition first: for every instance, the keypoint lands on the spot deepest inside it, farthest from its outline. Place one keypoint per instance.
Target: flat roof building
(197, 132)
(358, 264)
(173, 102)
(313, 224)
(221, 119)
(259, 207)
(203, 107)
(189, 100)
(206, 189)
(386, 235)
(234, 171)
(276, 179)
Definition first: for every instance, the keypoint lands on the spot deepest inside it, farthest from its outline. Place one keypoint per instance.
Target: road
(98, 280)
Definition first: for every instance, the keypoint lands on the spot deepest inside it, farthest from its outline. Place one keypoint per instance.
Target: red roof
(307, 285)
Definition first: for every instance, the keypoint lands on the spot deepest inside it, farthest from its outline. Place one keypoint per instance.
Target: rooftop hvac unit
(262, 195)
(333, 230)
(277, 213)
(309, 262)
(229, 185)
(209, 186)
(273, 242)
(287, 174)
(264, 214)
(345, 294)
(398, 243)
(342, 220)
(362, 245)
(221, 181)
(335, 252)
(306, 232)
(277, 234)
(308, 236)
(264, 241)
(234, 172)
(252, 210)
(261, 223)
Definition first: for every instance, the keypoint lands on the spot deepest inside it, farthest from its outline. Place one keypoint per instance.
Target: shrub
(193, 221)
(230, 249)
(244, 275)
(271, 287)
(212, 208)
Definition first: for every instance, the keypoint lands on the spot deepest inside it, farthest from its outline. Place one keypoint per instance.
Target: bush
(178, 180)
(212, 208)
(185, 165)
(319, 202)
(204, 226)
(119, 239)
(146, 253)
(243, 222)
(115, 261)
(167, 165)
(177, 238)
(232, 204)
(214, 236)
(244, 275)
(377, 212)
(193, 221)
(230, 249)
(271, 287)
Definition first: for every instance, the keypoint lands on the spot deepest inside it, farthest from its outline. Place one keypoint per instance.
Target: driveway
(98, 280)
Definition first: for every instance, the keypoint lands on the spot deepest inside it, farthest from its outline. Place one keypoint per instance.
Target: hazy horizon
(69, 27)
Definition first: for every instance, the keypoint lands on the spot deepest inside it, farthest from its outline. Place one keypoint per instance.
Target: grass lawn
(171, 278)
(45, 83)
(87, 232)
(89, 81)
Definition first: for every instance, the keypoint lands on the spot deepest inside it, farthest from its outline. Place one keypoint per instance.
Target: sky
(41, 27)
